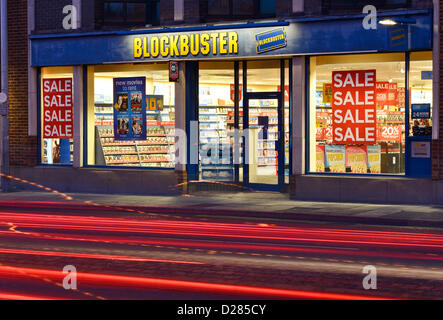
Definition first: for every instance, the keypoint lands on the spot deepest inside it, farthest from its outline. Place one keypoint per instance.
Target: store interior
(218, 143)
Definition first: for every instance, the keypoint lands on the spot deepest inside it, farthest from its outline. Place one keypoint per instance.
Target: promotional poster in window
(129, 109)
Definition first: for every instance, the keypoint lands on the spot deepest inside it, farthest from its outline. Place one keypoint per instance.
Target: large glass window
(420, 114)
(56, 116)
(114, 95)
(357, 114)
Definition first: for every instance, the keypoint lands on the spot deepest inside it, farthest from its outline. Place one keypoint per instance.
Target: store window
(212, 10)
(217, 122)
(357, 114)
(56, 116)
(420, 114)
(131, 13)
(131, 116)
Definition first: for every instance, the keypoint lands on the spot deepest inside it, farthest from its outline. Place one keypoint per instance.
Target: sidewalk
(263, 205)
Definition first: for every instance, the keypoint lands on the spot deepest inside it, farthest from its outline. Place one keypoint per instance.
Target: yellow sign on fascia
(215, 43)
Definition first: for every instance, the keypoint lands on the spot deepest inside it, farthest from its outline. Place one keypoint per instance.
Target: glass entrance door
(264, 141)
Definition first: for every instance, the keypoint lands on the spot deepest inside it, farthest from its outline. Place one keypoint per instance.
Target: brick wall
(192, 11)
(99, 11)
(283, 8)
(166, 12)
(23, 149)
(49, 15)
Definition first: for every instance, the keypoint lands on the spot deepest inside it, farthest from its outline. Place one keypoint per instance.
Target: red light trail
(165, 284)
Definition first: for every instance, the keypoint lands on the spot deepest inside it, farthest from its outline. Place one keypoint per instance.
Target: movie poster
(129, 109)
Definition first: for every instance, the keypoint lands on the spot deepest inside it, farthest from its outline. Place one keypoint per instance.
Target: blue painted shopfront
(279, 40)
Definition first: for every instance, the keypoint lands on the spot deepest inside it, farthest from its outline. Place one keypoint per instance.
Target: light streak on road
(108, 280)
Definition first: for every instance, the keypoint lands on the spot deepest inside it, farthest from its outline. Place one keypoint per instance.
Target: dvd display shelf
(218, 168)
(213, 124)
(214, 129)
(156, 151)
(267, 152)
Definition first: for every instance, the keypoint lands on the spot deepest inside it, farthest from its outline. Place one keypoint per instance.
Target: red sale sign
(389, 133)
(240, 92)
(401, 95)
(353, 107)
(386, 93)
(382, 93)
(393, 94)
(57, 109)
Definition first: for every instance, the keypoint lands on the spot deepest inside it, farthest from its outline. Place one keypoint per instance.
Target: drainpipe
(436, 72)
(4, 104)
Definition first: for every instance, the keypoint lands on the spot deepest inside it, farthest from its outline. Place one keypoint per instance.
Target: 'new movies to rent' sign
(354, 108)
(57, 109)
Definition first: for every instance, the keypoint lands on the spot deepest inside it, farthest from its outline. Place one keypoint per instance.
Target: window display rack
(267, 154)
(213, 122)
(156, 151)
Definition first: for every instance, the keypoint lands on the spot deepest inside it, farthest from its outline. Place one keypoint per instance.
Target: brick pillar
(23, 148)
(437, 145)
(166, 12)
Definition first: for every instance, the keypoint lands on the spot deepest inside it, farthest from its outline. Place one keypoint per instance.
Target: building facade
(169, 96)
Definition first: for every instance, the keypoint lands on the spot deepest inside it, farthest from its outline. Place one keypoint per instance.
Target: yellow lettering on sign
(174, 46)
(155, 47)
(195, 44)
(214, 37)
(138, 47)
(205, 44)
(233, 42)
(145, 47)
(164, 50)
(223, 42)
(184, 45)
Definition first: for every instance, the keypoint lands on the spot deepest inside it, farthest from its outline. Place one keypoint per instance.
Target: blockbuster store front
(299, 105)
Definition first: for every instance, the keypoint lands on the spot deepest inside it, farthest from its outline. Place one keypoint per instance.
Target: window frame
(40, 138)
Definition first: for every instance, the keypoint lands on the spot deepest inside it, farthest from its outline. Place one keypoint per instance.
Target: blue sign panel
(421, 111)
(130, 109)
(426, 75)
(270, 40)
(303, 36)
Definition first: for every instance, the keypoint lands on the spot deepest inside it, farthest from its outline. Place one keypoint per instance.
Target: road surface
(124, 253)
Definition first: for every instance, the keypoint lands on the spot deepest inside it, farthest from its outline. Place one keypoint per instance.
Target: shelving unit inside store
(156, 151)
